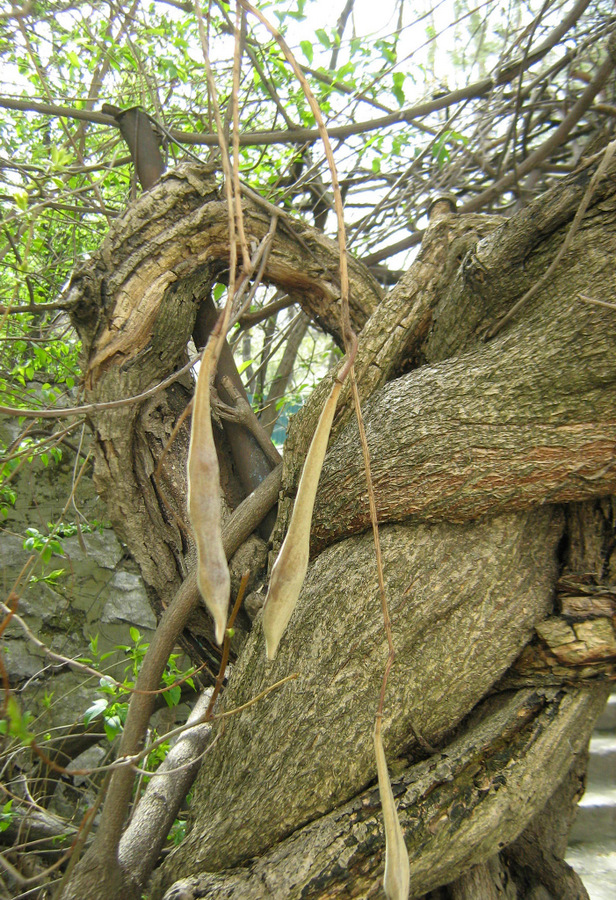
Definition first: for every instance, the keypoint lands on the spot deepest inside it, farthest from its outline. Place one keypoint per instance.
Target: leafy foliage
(113, 705)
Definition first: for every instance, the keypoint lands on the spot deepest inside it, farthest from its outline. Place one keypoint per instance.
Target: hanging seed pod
(204, 501)
(290, 567)
(397, 868)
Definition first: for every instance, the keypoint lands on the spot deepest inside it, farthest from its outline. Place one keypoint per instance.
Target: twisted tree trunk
(489, 463)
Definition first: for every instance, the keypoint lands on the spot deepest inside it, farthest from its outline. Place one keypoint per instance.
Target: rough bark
(458, 808)
(393, 336)
(460, 620)
(135, 305)
(542, 385)
(473, 446)
(469, 272)
(500, 428)
(535, 858)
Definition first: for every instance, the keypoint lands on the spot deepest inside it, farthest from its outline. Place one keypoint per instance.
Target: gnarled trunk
(488, 462)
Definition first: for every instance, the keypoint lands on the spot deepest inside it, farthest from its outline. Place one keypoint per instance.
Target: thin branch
(260, 696)
(239, 34)
(94, 407)
(479, 89)
(249, 319)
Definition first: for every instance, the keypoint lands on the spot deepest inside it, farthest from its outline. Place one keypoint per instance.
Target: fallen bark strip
(458, 808)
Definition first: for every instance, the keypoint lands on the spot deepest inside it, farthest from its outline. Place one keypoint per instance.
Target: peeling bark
(135, 305)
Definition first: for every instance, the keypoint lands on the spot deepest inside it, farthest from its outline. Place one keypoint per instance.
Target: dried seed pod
(397, 868)
(290, 567)
(204, 501)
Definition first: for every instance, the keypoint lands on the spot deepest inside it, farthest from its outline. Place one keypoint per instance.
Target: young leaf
(113, 727)
(308, 50)
(135, 634)
(323, 38)
(398, 91)
(173, 695)
(6, 816)
(99, 706)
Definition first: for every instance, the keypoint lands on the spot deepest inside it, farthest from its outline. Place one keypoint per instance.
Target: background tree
(486, 374)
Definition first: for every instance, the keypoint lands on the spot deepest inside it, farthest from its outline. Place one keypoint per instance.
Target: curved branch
(480, 449)
(149, 249)
(105, 847)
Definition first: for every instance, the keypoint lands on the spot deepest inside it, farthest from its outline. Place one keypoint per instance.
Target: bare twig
(595, 302)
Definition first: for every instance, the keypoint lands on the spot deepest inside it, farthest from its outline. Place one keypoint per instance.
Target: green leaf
(18, 722)
(323, 38)
(106, 683)
(457, 137)
(135, 634)
(113, 727)
(96, 709)
(178, 832)
(397, 90)
(6, 816)
(173, 695)
(307, 50)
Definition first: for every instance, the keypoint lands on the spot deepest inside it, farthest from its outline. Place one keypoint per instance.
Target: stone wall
(100, 591)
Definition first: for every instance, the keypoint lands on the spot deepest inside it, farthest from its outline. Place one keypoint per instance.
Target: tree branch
(289, 136)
